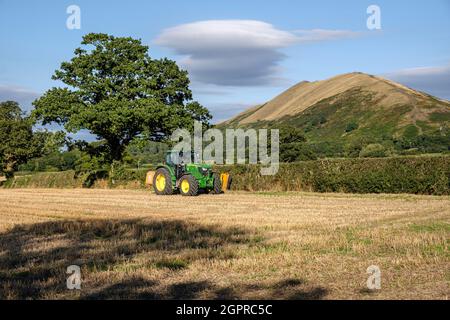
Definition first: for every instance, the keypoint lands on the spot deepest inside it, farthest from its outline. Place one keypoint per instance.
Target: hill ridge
(341, 115)
(305, 94)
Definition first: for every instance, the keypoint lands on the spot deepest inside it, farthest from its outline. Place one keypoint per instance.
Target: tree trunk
(9, 170)
(116, 150)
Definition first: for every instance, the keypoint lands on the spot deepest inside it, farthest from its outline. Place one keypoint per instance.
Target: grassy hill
(356, 109)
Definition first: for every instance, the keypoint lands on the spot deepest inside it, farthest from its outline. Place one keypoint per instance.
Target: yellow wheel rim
(160, 182)
(185, 186)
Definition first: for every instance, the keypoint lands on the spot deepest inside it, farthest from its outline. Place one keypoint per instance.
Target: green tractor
(186, 177)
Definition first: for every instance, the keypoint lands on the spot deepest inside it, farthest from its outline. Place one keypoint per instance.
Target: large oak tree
(117, 91)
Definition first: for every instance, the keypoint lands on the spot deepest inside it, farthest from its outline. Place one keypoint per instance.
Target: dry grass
(133, 244)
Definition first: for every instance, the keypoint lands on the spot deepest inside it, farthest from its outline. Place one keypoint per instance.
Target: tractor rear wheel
(188, 186)
(162, 182)
(217, 184)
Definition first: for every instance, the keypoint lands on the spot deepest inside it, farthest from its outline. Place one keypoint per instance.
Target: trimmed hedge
(63, 179)
(129, 178)
(417, 175)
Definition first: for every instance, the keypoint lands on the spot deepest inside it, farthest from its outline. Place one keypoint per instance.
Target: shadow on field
(34, 258)
(139, 288)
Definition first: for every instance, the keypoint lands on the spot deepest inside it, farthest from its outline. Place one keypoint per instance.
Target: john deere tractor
(186, 177)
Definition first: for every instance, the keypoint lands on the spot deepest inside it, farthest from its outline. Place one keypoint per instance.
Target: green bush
(374, 150)
(327, 149)
(417, 175)
(352, 150)
(435, 143)
(292, 152)
(351, 126)
(121, 175)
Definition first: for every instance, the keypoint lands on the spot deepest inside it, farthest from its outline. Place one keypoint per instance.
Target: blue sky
(239, 53)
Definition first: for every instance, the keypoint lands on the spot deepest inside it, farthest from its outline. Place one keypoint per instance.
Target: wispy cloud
(237, 52)
(19, 94)
(324, 35)
(432, 80)
(225, 111)
(199, 88)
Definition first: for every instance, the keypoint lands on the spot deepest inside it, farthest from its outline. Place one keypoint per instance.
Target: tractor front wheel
(188, 186)
(162, 182)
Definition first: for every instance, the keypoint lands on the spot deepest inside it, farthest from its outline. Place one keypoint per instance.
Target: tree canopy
(118, 92)
(17, 141)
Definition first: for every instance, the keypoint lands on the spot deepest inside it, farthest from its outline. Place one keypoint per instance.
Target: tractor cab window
(169, 159)
(195, 157)
(173, 158)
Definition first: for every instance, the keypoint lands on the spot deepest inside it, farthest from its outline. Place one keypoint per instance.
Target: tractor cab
(178, 157)
(180, 162)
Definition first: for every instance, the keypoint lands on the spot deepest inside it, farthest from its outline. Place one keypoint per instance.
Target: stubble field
(134, 245)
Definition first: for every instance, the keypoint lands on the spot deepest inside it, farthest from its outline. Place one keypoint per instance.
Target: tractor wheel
(217, 187)
(188, 186)
(162, 182)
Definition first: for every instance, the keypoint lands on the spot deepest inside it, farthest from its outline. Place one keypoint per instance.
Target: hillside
(354, 108)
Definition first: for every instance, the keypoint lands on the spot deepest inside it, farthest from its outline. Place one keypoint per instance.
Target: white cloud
(219, 35)
(432, 80)
(237, 52)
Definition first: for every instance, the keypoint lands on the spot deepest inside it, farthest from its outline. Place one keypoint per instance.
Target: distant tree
(17, 141)
(50, 142)
(290, 134)
(351, 127)
(293, 146)
(292, 152)
(144, 152)
(425, 143)
(51, 154)
(118, 92)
